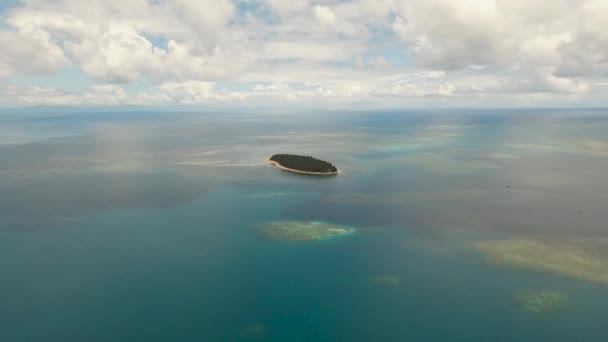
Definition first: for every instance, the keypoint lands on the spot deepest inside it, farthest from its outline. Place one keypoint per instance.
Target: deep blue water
(140, 226)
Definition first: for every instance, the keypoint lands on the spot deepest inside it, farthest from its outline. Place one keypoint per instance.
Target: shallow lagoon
(141, 226)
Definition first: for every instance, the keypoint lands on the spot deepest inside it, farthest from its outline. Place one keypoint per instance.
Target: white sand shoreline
(303, 172)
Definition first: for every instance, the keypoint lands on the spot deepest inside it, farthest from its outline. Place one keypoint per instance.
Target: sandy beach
(303, 172)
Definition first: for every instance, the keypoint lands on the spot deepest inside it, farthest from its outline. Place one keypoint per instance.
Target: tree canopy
(304, 163)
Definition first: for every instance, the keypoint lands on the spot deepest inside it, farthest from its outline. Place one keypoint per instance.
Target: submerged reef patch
(302, 230)
(386, 280)
(581, 259)
(254, 331)
(541, 301)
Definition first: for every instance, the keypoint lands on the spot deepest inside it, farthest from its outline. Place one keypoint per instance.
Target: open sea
(141, 226)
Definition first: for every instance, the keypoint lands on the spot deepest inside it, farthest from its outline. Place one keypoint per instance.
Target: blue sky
(375, 53)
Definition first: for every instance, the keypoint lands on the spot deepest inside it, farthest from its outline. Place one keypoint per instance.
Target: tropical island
(303, 164)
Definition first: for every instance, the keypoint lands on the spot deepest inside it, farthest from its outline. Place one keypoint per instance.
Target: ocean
(142, 226)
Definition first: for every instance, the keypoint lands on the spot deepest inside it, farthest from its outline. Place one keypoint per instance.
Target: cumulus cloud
(325, 15)
(565, 38)
(103, 94)
(113, 41)
(106, 94)
(11, 95)
(30, 51)
(304, 50)
(189, 92)
(452, 34)
(287, 8)
(307, 50)
(119, 54)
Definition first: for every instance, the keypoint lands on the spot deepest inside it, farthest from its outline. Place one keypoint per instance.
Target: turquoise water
(141, 226)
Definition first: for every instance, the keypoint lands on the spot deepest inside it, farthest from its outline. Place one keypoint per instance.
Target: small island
(303, 164)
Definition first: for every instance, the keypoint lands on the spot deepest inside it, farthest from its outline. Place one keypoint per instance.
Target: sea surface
(141, 226)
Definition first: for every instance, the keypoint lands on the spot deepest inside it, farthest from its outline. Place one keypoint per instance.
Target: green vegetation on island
(304, 164)
(541, 301)
(581, 259)
(301, 231)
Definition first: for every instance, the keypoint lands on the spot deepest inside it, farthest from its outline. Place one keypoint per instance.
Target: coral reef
(301, 231)
(386, 280)
(582, 259)
(254, 331)
(540, 301)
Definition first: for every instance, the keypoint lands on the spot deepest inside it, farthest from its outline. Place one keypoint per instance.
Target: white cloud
(276, 90)
(303, 50)
(325, 15)
(565, 38)
(205, 19)
(118, 55)
(189, 92)
(308, 50)
(106, 94)
(452, 34)
(29, 52)
(11, 95)
(112, 41)
(286, 8)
